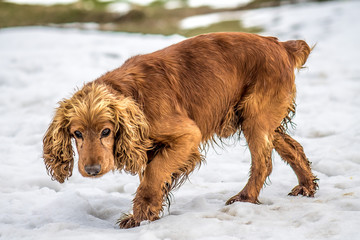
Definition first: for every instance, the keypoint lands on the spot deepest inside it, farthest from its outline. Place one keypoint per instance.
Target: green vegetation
(12, 15)
(154, 18)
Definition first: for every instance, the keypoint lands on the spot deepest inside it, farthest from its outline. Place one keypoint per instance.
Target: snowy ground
(40, 66)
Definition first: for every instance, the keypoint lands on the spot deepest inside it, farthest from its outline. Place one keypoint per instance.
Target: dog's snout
(93, 170)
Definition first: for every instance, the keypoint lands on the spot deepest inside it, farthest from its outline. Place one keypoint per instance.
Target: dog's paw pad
(302, 190)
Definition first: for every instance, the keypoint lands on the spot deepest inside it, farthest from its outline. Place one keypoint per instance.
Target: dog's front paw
(127, 221)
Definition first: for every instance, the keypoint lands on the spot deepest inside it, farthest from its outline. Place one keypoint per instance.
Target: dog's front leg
(179, 157)
(148, 201)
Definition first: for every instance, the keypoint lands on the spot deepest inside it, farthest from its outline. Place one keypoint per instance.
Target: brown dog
(151, 115)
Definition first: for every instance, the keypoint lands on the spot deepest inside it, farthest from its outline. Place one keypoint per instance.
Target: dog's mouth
(95, 176)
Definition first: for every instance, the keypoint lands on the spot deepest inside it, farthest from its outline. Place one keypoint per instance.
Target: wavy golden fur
(90, 106)
(152, 115)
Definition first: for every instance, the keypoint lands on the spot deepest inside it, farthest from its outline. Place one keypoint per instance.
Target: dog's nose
(93, 170)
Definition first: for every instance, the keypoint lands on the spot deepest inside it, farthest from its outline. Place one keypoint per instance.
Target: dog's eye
(78, 134)
(105, 132)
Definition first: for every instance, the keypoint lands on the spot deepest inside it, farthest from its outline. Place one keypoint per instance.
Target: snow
(40, 66)
(218, 4)
(119, 7)
(208, 19)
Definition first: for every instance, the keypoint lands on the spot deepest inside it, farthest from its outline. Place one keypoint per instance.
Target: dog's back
(211, 76)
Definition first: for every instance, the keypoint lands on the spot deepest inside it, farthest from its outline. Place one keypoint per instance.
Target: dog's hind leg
(259, 137)
(262, 111)
(292, 152)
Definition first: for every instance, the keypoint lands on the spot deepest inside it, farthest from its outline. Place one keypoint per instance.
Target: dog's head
(110, 133)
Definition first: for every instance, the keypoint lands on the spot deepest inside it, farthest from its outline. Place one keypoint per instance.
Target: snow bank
(208, 19)
(40, 66)
(218, 4)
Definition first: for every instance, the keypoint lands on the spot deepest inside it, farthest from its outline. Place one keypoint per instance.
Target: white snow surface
(40, 66)
(208, 19)
(217, 3)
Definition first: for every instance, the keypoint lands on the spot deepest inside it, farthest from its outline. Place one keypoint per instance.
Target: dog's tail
(298, 51)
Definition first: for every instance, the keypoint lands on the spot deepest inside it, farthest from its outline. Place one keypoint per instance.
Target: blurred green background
(156, 17)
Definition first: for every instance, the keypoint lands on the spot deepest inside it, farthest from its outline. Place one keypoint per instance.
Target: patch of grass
(12, 15)
(154, 19)
(272, 3)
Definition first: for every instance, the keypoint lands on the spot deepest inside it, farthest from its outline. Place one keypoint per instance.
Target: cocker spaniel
(152, 116)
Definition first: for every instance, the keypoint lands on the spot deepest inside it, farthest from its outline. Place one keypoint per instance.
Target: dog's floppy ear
(132, 136)
(57, 150)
